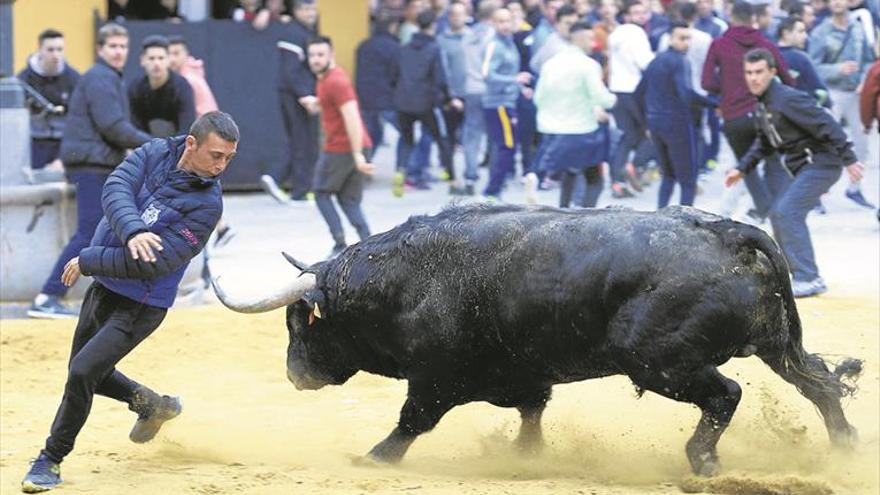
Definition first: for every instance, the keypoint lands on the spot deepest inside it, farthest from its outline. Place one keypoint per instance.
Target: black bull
(498, 304)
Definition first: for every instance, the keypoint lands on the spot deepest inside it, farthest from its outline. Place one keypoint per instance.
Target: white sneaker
(530, 181)
(800, 288)
(271, 187)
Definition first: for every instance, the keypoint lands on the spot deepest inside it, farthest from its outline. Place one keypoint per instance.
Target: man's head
(804, 11)
(838, 7)
(566, 16)
(763, 18)
(51, 50)
(320, 52)
(742, 14)
(211, 144)
(688, 13)
(792, 32)
(634, 11)
(458, 15)
(609, 9)
(412, 10)
(305, 12)
(178, 52)
(581, 36)
(680, 36)
(487, 9)
(550, 7)
(427, 21)
(113, 45)
(503, 22)
(518, 12)
(154, 57)
(705, 8)
(760, 69)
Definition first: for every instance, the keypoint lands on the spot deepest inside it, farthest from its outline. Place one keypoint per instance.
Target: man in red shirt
(343, 164)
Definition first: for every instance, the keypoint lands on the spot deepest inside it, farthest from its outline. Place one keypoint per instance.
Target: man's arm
(685, 88)
(183, 240)
(136, 117)
(868, 97)
(803, 112)
(296, 72)
(118, 195)
(186, 112)
(709, 79)
(110, 118)
(830, 73)
(606, 99)
(491, 62)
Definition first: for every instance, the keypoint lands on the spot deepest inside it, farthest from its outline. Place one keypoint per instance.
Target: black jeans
(296, 170)
(109, 327)
(432, 122)
(627, 116)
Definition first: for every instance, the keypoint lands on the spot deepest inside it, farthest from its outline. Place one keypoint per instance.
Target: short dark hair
(48, 35)
(426, 19)
(687, 11)
(758, 54)
(742, 12)
(630, 4)
(302, 3)
(319, 40)
(108, 31)
(761, 9)
(678, 25)
(787, 25)
(565, 11)
(220, 123)
(154, 41)
(176, 39)
(580, 26)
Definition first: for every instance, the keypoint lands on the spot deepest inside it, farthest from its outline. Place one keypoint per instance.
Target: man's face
(413, 9)
(320, 57)
(758, 76)
(809, 15)
(638, 14)
(608, 9)
(564, 24)
(550, 8)
(155, 62)
(763, 19)
(114, 51)
(704, 8)
(457, 16)
(517, 13)
(306, 14)
(211, 157)
(680, 39)
(838, 6)
(797, 36)
(503, 22)
(51, 53)
(583, 39)
(177, 56)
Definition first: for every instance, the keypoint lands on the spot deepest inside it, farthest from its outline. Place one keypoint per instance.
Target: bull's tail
(782, 346)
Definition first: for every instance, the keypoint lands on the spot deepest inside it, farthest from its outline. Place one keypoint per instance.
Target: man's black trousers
(109, 327)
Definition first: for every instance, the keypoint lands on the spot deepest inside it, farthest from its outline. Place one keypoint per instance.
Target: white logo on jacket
(150, 215)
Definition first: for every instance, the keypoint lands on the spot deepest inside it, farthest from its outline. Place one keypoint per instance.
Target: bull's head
(316, 356)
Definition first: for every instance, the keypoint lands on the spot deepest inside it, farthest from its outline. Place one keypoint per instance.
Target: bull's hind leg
(813, 379)
(420, 413)
(531, 438)
(717, 397)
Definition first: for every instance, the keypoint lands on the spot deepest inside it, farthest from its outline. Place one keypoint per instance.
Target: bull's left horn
(287, 295)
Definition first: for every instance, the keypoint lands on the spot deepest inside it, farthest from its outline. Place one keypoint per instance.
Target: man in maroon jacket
(723, 74)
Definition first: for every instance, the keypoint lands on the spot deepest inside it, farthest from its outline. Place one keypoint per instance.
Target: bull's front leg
(531, 437)
(420, 413)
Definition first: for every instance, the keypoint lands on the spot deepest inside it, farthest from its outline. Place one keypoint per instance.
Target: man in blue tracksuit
(504, 83)
(160, 205)
(667, 97)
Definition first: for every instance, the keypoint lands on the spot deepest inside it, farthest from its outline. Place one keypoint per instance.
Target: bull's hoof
(367, 461)
(705, 465)
(387, 452)
(529, 447)
(845, 440)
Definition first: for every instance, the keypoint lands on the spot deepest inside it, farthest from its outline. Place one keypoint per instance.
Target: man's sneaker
(43, 475)
(632, 176)
(337, 249)
(857, 197)
(469, 189)
(412, 185)
(530, 181)
(271, 187)
(809, 288)
(820, 209)
(711, 164)
(50, 308)
(619, 191)
(397, 184)
(147, 425)
(224, 235)
(755, 216)
(457, 190)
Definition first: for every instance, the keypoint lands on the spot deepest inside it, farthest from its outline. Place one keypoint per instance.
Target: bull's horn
(299, 265)
(288, 295)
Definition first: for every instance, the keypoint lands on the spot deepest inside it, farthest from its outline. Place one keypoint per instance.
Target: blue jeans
(88, 213)
(789, 218)
(472, 133)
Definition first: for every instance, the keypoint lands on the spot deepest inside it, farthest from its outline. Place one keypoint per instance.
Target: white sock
(41, 299)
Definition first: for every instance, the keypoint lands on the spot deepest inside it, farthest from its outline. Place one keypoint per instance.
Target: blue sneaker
(857, 197)
(44, 475)
(50, 308)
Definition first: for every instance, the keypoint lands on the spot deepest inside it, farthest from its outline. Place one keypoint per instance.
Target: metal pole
(6, 68)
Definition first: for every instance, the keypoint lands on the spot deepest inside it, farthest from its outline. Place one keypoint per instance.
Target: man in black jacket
(377, 59)
(299, 107)
(815, 149)
(161, 101)
(161, 205)
(54, 80)
(421, 91)
(96, 138)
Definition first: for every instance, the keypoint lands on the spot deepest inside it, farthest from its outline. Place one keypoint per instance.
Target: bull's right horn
(288, 295)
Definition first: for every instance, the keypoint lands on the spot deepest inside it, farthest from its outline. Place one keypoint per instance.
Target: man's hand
(528, 93)
(363, 166)
(732, 177)
(848, 67)
(601, 114)
(71, 272)
(310, 103)
(456, 104)
(142, 245)
(855, 172)
(524, 77)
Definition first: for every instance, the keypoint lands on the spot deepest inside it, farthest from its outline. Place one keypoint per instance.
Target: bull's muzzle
(304, 381)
